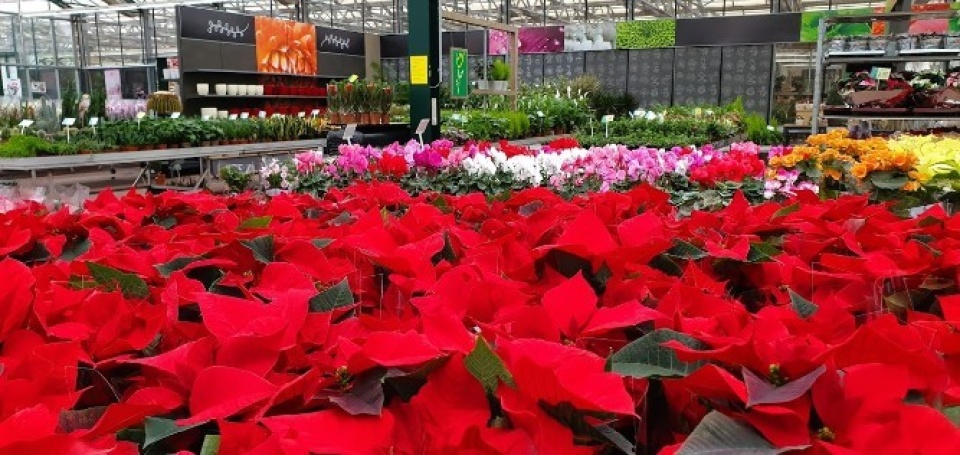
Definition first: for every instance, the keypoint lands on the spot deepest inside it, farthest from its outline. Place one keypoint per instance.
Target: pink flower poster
(111, 79)
(533, 40)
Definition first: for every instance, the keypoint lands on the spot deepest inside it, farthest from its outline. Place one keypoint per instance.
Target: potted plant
(349, 103)
(333, 104)
(235, 178)
(386, 102)
(500, 74)
(481, 78)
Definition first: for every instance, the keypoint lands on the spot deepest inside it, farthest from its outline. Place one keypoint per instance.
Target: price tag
(353, 78)
(206, 117)
(94, 121)
(263, 114)
(880, 73)
(25, 123)
(141, 115)
(315, 112)
(422, 126)
(607, 118)
(540, 114)
(233, 116)
(457, 118)
(175, 115)
(348, 133)
(301, 114)
(245, 115)
(697, 112)
(278, 115)
(69, 121)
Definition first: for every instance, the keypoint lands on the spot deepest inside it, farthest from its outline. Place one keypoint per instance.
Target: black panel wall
(566, 65)
(651, 76)
(531, 69)
(746, 74)
(611, 67)
(340, 66)
(696, 75)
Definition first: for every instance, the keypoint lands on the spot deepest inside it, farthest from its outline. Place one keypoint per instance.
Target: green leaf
(262, 248)
(647, 357)
(719, 434)
(336, 296)
(887, 180)
(686, 250)
(761, 252)
(953, 414)
(158, 429)
(211, 445)
(366, 394)
(321, 243)
(168, 268)
(132, 286)
(167, 222)
(447, 253)
(792, 208)
(802, 306)
(260, 222)
(666, 264)
(75, 248)
(441, 204)
(487, 366)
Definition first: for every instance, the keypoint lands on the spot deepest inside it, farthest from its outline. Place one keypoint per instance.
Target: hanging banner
(336, 41)
(11, 82)
(459, 73)
(111, 79)
(286, 47)
(212, 25)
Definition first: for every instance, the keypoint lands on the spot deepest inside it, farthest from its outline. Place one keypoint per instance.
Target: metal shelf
(494, 92)
(257, 73)
(922, 55)
(897, 118)
(312, 97)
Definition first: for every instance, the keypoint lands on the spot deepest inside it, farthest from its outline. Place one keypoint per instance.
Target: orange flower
(285, 47)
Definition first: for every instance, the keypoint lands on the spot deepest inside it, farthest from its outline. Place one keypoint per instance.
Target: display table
(204, 154)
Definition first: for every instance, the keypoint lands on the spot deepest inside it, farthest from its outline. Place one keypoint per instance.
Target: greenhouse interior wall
(56, 47)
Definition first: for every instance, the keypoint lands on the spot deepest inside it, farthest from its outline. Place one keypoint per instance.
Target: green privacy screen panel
(646, 34)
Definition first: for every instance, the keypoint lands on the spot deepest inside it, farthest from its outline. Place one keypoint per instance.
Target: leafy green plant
(646, 34)
(759, 132)
(69, 99)
(235, 178)
(23, 146)
(499, 71)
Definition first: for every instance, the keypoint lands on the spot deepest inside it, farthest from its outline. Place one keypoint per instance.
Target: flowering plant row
(695, 176)
(375, 322)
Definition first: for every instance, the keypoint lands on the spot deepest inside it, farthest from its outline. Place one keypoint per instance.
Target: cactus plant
(164, 103)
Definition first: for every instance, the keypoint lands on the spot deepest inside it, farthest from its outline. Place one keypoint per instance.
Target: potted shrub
(235, 178)
(500, 74)
(349, 101)
(333, 104)
(481, 78)
(386, 102)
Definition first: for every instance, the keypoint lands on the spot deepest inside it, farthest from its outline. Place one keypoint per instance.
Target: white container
(221, 89)
(208, 112)
(232, 89)
(223, 114)
(242, 90)
(259, 90)
(500, 86)
(252, 90)
(203, 89)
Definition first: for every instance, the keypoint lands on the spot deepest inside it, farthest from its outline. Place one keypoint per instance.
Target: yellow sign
(418, 70)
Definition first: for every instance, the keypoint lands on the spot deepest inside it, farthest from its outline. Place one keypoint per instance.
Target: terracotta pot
(334, 117)
(86, 152)
(128, 148)
(160, 178)
(205, 143)
(365, 118)
(173, 146)
(160, 147)
(185, 145)
(384, 119)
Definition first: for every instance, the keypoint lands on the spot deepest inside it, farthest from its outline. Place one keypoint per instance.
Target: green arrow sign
(459, 74)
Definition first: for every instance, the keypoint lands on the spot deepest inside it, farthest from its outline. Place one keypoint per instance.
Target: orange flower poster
(286, 47)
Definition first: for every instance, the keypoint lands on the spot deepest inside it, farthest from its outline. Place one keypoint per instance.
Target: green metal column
(424, 44)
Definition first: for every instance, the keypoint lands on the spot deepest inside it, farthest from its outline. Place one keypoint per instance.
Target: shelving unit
(193, 102)
(890, 56)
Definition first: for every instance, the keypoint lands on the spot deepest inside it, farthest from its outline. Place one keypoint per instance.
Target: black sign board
(212, 25)
(336, 41)
(760, 29)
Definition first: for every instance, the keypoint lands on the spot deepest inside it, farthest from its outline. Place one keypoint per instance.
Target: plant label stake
(94, 121)
(175, 115)
(301, 114)
(233, 116)
(140, 116)
(263, 114)
(421, 128)
(67, 123)
(25, 124)
(348, 133)
(314, 113)
(245, 115)
(606, 123)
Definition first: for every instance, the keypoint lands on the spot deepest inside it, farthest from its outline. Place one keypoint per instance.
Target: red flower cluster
(372, 322)
(389, 165)
(513, 150)
(735, 166)
(564, 143)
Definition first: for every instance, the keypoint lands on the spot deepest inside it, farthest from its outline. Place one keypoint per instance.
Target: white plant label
(94, 121)
(263, 114)
(175, 115)
(233, 116)
(69, 121)
(245, 115)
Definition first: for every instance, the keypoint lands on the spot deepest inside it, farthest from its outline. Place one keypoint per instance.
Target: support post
(424, 43)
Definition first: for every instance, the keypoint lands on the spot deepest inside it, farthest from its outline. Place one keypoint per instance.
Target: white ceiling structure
(130, 31)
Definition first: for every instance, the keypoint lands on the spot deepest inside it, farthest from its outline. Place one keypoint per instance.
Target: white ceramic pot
(260, 90)
(223, 114)
(232, 89)
(251, 90)
(482, 84)
(500, 85)
(242, 90)
(203, 89)
(208, 112)
(221, 89)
